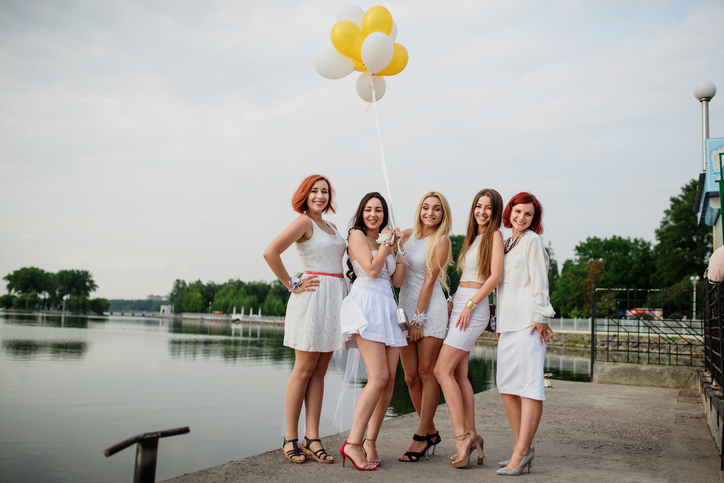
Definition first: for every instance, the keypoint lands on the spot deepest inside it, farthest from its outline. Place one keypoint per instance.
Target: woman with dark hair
(524, 309)
(428, 253)
(369, 323)
(481, 262)
(311, 325)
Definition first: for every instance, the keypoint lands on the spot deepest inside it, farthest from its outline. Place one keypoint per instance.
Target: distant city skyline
(148, 142)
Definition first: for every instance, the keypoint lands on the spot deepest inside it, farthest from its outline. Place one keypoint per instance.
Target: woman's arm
(399, 275)
(359, 250)
(537, 261)
(496, 276)
(300, 230)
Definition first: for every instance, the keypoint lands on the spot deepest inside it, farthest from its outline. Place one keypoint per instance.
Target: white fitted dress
(312, 319)
(370, 308)
(436, 322)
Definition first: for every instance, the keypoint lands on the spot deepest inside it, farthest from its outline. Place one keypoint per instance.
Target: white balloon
(353, 13)
(393, 34)
(364, 87)
(331, 64)
(377, 51)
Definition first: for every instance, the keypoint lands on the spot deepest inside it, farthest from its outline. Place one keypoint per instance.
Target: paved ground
(589, 432)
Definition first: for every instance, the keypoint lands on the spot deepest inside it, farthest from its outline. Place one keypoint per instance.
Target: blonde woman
(481, 262)
(428, 253)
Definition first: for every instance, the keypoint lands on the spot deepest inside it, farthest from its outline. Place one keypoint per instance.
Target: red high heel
(367, 467)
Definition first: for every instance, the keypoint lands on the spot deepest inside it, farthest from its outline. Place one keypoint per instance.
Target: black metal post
(593, 328)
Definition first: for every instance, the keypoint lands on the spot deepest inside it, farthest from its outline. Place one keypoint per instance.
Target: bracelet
(470, 304)
(418, 320)
(449, 298)
(294, 283)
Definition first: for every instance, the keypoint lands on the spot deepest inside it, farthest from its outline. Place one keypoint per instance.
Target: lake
(72, 386)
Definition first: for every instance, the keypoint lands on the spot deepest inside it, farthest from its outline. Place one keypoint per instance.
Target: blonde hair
(442, 230)
(485, 250)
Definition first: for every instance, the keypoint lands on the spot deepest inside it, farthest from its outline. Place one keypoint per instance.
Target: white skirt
(465, 339)
(520, 364)
(370, 311)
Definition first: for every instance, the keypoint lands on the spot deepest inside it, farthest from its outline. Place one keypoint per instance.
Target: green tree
(99, 305)
(193, 300)
(7, 300)
(178, 292)
(26, 280)
(570, 293)
(77, 283)
(683, 245)
(453, 275)
(627, 263)
(273, 305)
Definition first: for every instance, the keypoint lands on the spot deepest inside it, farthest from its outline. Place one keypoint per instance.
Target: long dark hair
(358, 223)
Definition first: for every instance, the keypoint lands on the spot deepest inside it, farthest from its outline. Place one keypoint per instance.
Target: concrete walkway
(589, 432)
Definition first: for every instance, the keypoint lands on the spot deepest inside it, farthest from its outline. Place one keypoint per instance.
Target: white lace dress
(437, 322)
(312, 319)
(369, 310)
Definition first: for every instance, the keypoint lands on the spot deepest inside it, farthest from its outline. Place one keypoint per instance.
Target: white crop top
(470, 268)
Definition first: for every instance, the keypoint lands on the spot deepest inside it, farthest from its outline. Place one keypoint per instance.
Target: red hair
(300, 197)
(524, 198)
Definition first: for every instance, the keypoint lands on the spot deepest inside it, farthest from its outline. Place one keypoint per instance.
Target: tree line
(682, 250)
(211, 297)
(33, 288)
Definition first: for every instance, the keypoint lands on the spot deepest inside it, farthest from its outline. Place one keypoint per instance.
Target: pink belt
(338, 275)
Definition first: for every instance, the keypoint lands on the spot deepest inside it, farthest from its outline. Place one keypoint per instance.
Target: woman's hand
(464, 319)
(309, 284)
(544, 332)
(415, 333)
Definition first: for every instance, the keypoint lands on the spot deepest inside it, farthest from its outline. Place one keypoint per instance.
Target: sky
(149, 141)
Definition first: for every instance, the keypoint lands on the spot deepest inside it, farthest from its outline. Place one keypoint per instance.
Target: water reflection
(25, 349)
(48, 320)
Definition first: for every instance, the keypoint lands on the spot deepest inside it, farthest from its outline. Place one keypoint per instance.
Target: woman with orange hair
(311, 326)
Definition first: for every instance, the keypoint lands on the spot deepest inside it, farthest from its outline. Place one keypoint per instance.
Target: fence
(645, 327)
(713, 344)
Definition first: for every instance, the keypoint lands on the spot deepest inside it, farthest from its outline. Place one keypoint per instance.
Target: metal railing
(645, 327)
(713, 343)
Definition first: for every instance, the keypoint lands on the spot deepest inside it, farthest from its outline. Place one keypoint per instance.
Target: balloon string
(384, 168)
(382, 154)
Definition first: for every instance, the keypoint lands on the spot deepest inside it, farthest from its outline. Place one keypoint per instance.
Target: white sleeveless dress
(370, 308)
(312, 319)
(437, 322)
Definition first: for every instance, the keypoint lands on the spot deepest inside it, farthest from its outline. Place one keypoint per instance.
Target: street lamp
(209, 307)
(694, 281)
(704, 91)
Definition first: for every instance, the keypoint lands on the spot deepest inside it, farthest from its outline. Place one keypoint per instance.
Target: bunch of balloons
(363, 41)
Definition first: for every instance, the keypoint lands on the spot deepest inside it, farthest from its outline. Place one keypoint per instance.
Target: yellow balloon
(398, 62)
(377, 19)
(347, 38)
(359, 66)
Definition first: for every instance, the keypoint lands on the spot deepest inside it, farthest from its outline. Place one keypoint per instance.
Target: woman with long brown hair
(481, 262)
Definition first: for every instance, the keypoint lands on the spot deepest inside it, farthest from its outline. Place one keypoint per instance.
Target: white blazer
(523, 296)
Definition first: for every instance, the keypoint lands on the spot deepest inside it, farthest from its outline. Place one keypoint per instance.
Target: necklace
(510, 243)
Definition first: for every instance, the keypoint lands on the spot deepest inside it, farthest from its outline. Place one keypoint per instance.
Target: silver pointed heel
(517, 471)
(505, 463)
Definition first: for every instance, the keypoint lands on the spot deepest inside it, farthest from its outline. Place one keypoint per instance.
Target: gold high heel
(464, 460)
(479, 444)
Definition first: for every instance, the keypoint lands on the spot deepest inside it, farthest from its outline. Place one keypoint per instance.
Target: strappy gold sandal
(320, 456)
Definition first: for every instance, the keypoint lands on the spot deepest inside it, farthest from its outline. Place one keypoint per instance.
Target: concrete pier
(589, 432)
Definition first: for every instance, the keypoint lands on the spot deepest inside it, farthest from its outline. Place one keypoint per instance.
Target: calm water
(72, 386)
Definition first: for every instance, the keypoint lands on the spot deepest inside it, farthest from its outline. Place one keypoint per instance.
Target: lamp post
(704, 91)
(694, 281)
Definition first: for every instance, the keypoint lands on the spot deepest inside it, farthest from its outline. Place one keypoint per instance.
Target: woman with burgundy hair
(523, 312)
(311, 326)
